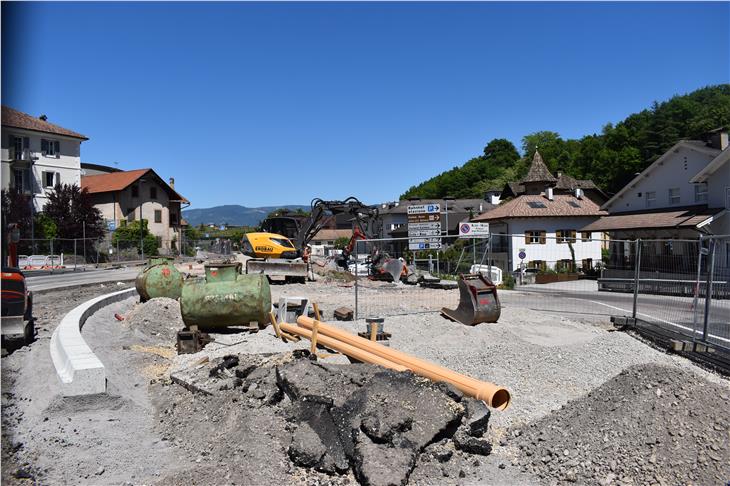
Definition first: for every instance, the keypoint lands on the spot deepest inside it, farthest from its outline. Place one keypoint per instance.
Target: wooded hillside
(610, 159)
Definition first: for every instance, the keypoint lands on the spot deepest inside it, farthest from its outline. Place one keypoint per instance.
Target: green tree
(72, 212)
(342, 242)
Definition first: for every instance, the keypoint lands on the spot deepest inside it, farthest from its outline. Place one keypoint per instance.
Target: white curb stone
(78, 368)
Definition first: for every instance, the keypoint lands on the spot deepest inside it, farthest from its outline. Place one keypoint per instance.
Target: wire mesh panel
(668, 289)
(714, 327)
(392, 279)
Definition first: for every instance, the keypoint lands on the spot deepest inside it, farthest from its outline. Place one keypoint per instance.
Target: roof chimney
(43, 117)
(719, 139)
(172, 182)
(549, 193)
(579, 193)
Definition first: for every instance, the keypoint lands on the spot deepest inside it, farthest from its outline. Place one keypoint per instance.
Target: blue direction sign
(522, 255)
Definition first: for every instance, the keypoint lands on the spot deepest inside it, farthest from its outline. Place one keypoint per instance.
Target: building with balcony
(37, 155)
(126, 196)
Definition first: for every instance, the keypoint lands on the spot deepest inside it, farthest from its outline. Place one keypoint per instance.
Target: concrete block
(78, 368)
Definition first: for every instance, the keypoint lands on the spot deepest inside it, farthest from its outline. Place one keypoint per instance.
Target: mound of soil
(159, 318)
(648, 425)
(263, 418)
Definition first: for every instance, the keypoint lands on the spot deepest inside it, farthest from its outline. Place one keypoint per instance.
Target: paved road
(674, 312)
(71, 279)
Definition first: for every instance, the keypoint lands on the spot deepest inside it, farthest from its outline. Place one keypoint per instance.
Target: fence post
(52, 246)
(695, 302)
(708, 288)
(356, 275)
(75, 254)
(637, 276)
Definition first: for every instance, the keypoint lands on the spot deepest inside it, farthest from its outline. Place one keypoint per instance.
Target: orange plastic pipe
(495, 396)
(332, 343)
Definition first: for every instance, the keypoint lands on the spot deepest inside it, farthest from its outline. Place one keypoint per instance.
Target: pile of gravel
(159, 318)
(649, 425)
(267, 418)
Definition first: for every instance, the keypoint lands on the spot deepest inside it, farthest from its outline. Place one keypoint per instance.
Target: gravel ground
(649, 425)
(546, 361)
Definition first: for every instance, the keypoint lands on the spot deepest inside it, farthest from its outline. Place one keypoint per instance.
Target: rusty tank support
(478, 301)
(225, 297)
(159, 278)
(493, 395)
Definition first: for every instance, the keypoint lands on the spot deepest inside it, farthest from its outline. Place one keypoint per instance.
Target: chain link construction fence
(680, 285)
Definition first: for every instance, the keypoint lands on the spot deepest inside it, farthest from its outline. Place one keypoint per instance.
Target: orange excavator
(16, 303)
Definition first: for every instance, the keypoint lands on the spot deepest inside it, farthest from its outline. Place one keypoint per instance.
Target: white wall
(552, 251)
(67, 163)
(676, 171)
(718, 189)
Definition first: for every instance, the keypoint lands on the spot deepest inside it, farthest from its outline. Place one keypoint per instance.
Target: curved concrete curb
(78, 368)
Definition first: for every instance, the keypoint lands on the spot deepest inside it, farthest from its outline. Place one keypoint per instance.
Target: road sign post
(424, 226)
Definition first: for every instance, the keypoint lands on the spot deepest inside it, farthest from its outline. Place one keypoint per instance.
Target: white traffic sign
(421, 233)
(424, 226)
(433, 208)
(473, 230)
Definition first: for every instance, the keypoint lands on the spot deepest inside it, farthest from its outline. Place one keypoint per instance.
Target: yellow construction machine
(281, 248)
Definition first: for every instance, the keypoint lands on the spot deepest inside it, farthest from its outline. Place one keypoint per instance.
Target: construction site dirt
(253, 409)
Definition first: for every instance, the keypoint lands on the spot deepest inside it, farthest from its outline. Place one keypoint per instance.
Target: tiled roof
(538, 171)
(118, 181)
(566, 182)
(18, 119)
(667, 218)
(539, 206)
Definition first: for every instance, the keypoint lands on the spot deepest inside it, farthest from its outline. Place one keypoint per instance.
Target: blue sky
(277, 103)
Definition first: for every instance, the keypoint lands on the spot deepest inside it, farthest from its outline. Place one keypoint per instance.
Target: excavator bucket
(478, 301)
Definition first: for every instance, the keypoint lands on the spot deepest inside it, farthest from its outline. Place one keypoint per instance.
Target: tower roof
(538, 171)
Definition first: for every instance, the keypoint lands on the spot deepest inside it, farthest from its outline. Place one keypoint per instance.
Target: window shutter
(527, 237)
(44, 146)
(57, 148)
(43, 178)
(58, 178)
(26, 143)
(572, 235)
(543, 237)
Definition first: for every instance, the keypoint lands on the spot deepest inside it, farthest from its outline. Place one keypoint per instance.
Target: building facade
(541, 227)
(126, 196)
(37, 155)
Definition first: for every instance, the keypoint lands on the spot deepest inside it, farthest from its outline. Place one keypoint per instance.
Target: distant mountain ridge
(233, 214)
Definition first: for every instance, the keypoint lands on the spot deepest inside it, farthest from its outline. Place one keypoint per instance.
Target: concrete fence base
(79, 369)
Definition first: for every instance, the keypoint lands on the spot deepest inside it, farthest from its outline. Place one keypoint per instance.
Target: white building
(126, 196)
(545, 226)
(37, 155)
(683, 193)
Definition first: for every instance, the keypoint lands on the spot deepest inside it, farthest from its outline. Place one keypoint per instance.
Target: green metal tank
(225, 297)
(159, 278)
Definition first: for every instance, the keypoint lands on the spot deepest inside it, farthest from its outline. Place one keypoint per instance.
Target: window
(585, 236)
(536, 204)
(674, 195)
(50, 148)
(130, 214)
(701, 192)
(158, 216)
(21, 179)
(153, 192)
(173, 218)
(651, 199)
(564, 265)
(135, 190)
(20, 147)
(574, 204)
(565, 236)
(51, 178)
(539, 264)
(535, 237)
(587, 264)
